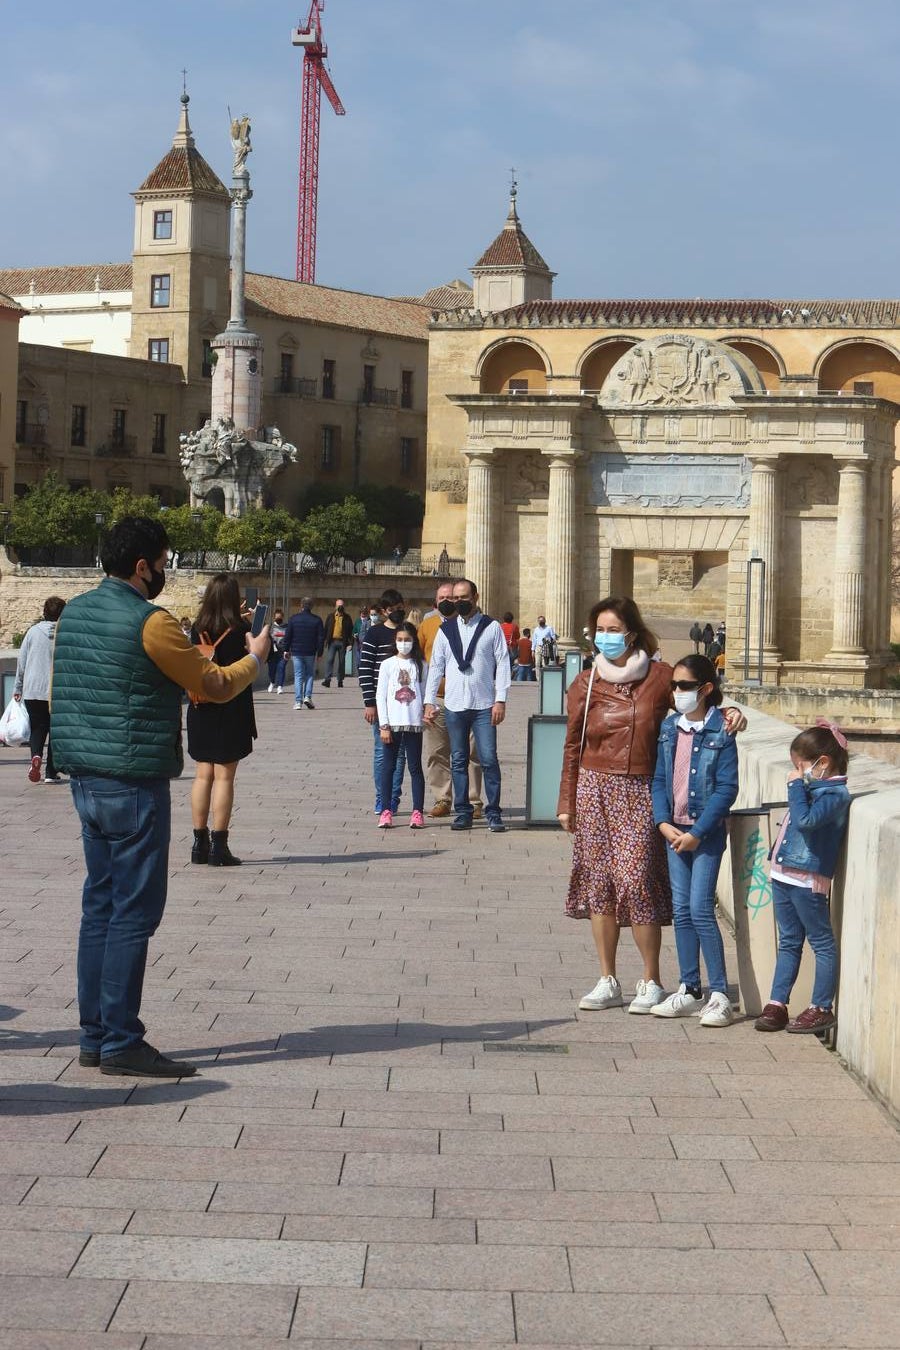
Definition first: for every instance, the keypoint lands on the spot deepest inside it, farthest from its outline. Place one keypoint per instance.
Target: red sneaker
(812, 1021)
(774, 1017)
(34, 773)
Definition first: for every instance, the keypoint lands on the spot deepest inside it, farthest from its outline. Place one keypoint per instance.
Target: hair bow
(834, 729)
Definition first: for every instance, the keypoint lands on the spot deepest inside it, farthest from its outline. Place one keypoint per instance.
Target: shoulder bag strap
(587, 704)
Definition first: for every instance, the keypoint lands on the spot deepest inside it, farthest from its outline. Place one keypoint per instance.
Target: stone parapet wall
(864, 903)
(800, 705)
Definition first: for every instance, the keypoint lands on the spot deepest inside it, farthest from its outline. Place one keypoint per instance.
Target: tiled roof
(512, 247)
(345, 309)
(65, 280)
(699, 313)
(183, 169)
(7, 302)
(455, 295)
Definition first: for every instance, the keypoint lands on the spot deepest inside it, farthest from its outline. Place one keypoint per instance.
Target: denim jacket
(713, 781)
(815, 832)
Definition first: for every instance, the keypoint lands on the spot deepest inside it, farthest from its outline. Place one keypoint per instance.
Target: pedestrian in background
(277, 656)
(436, 738)
(696, 635)
(543, 643)
(707, 637)
(377, 646)
(304, 638)
(33, 687)
(525, 665)
(338, 636)
(511, 633)
(400, 705)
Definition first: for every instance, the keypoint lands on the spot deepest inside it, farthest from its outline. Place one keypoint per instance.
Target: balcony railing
(384, 398)
(115, 446)
(31, 433)
(291, 384)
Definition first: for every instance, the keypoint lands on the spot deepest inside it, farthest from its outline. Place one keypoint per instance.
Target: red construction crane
(315, 79)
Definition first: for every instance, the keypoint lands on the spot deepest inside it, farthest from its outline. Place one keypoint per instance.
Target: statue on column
(240, 144)
(220, 459)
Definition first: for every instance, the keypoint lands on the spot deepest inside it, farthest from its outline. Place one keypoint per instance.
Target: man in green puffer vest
(119, 667)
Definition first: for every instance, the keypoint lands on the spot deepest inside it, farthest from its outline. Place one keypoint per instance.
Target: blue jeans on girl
(693, 880)
(801, 913)
(408, 744)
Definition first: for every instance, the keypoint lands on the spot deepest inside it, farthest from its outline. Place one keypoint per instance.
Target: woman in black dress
(219, 735)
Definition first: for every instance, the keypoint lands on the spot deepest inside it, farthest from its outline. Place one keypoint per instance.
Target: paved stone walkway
(402, 1135)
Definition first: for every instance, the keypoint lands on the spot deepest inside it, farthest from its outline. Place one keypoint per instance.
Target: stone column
(763, 541)
(848, 633)
(559, 592)
(481, 544)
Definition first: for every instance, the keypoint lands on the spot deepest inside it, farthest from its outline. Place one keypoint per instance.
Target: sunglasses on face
(685, 684)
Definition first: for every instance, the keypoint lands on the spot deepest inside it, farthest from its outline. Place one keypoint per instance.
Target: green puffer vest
(113, 712)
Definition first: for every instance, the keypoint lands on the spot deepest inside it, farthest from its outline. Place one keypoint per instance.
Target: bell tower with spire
(511, 271)
(180, 291)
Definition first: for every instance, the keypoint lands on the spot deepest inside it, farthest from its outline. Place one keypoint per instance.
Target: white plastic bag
(15, 728)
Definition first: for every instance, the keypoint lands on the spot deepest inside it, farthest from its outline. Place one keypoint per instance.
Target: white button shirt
(487, 680)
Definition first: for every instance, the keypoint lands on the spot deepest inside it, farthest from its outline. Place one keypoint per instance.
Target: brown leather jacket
(622, 728)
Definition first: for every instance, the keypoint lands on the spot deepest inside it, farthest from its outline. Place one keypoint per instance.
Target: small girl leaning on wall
(803, 860)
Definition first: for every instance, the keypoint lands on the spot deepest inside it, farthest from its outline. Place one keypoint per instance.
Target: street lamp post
(196, 518)
(99, 521)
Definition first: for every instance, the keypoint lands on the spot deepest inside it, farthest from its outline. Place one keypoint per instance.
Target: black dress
(220, 733)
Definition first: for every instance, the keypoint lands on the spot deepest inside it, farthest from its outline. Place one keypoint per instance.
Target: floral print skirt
(619, 860)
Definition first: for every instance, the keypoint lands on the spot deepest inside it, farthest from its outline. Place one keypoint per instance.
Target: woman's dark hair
(53, 607)
(703, 670)
(627, 612)
(133, 538)
(816, 742)
(507, 617)
(220, 608)
(416, 654)
(390, 599)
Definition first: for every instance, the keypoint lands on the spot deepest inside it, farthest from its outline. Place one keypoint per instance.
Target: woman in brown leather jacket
(619, 874)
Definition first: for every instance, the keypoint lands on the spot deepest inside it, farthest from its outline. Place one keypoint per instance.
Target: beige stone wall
(9, 374)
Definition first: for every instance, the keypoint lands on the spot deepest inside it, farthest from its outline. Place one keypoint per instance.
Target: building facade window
(331, 449)
(518, 386)
(117, 431)
(286, 372)
(406, 389)
(408, 447)
(158, 349)
(206, 368)
(368, 389)
(21, 418)
(162, 224)
(329, 378)
(158, 444)
(79, 424)
(160, 290)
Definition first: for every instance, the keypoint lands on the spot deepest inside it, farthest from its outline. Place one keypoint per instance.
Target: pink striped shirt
(681, 772)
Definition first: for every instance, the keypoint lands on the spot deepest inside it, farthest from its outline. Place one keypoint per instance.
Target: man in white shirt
(539, 634)
(470, 655)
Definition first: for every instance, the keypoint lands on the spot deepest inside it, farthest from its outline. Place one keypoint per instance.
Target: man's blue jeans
(125, 830)
(334, 661)
(693, 880)
(377, 762)
(459, 725)
(304, 672)
(524, 673)
(801, 913)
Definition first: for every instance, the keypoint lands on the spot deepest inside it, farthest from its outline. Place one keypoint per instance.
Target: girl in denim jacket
(802, 864)
(694, 787)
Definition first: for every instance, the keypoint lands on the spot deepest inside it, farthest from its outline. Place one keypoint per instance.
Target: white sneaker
(270, 689)
(606, 993)
(718, 1011)
(298, 707)
(681, 1004)
(280, 689)
(646, 996)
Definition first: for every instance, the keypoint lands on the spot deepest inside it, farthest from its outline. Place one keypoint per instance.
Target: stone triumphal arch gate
(684, 457)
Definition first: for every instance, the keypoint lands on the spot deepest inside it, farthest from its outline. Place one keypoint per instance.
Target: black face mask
(154, 582)
(464, 607)
(397, 616)
(447, 607)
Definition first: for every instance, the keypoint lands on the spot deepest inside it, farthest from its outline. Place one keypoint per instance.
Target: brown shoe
(439, 809)
(774, 1017)
(811, 1021)
(478, 811)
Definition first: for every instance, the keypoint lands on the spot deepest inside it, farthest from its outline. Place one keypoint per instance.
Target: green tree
(188, 536)
(123, 502)
(339, 531)
(391, 507)
(50, 514)
(256, 533)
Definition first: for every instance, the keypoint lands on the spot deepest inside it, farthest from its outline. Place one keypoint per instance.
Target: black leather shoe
(142, 1061)
(496, 826)
(89, 1059)
(461, 823)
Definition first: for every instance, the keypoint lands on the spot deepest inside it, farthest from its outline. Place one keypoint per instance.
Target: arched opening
(514, 367)
(860, 368)
(598, 363)
(216, 498)
(765, 360)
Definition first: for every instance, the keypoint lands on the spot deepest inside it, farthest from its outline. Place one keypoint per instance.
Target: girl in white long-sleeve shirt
(401, 680)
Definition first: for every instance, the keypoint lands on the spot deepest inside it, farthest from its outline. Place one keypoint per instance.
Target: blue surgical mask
(611, 645)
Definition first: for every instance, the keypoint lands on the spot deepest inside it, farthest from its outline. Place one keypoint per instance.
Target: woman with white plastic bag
(33, 687)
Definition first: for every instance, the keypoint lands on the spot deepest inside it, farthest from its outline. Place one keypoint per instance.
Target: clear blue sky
(693, 148)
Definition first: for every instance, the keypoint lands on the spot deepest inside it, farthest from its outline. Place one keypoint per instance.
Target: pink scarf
(635, 668)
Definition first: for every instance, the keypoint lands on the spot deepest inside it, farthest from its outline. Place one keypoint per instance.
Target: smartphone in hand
(260, 614)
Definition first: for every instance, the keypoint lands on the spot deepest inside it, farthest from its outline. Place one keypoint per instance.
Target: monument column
(559, 592)
(481, 544)
(848, 632)
(763, 543)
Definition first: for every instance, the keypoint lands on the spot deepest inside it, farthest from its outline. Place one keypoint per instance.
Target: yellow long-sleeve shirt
(168, 647)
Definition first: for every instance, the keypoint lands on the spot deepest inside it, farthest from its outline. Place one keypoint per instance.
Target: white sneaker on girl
(606, 993)
(718, 1011)
(680, 1004)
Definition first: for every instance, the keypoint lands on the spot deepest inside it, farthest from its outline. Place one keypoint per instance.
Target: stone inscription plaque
(675, 480)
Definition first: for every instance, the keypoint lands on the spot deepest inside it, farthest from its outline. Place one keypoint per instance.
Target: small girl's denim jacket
(713, 776)
(815, 830)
